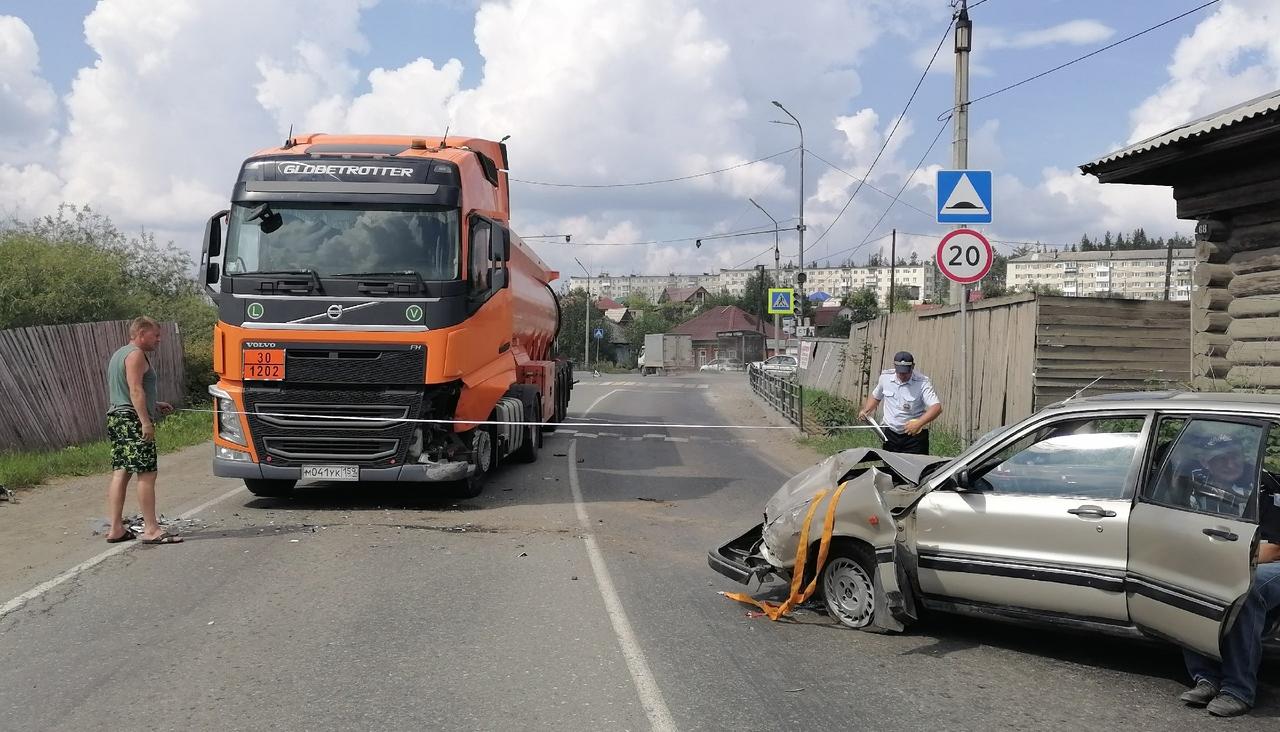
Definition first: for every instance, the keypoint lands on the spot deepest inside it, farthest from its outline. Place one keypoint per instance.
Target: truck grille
(342, 449)
(293, 440)
(334, 365)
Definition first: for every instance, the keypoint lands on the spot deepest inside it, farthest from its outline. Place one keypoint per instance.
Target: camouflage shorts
(128, 450)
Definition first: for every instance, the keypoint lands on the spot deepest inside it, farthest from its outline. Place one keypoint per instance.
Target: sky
(144, 109)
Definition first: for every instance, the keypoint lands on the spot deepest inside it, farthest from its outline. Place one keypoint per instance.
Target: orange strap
(774, 611)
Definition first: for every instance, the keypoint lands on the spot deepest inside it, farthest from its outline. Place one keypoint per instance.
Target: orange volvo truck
(373, 307)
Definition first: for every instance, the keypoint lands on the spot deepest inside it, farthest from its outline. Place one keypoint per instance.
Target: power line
(889, 137)
(905, 182)
(654, 182)
(711, 235)
(886, 194)
(1078, 59)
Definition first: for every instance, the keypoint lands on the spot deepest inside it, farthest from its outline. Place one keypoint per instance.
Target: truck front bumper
(413, 473)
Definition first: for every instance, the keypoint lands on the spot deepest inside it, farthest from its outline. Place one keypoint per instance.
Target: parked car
(1110, 514)
(722, 364)
(784, 365)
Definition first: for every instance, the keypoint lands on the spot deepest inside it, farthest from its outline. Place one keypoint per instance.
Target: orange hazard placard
(264, 364)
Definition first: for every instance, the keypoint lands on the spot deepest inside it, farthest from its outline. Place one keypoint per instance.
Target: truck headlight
(229, 421)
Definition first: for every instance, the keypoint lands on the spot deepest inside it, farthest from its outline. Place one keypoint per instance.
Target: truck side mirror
(213, 235)
(500, 245)
(211, 273)
(498, 278)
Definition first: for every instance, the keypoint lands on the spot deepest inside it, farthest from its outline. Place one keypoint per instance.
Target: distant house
(824, 317)
(620, 316)
(606, 303)
(684, 295)
(706, 327)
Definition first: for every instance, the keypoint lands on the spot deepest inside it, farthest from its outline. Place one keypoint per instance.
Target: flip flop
(164, 539)
(126, 536)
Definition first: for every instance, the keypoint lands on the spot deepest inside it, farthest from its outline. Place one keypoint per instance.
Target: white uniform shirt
(903, 401)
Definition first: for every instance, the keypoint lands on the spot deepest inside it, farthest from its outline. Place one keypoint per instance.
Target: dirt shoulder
(50, 528)
(732, 398)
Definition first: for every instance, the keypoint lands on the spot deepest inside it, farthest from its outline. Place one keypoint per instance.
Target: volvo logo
(335, 311)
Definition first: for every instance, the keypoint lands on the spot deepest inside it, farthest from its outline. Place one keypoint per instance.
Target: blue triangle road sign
(964, 197)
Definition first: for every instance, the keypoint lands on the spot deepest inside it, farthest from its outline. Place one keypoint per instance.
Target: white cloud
(1074, 33)
(1231, 56)
(28, 106)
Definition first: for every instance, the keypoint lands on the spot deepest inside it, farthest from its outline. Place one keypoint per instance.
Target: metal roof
(1261, 106)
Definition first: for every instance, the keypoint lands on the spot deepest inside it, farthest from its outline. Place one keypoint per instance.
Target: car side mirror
(498, 278)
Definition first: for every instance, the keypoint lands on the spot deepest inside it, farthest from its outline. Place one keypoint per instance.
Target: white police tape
(637, 425)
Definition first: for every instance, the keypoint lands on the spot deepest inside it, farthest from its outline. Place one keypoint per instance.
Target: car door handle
(1221, 534)
(1095, 511)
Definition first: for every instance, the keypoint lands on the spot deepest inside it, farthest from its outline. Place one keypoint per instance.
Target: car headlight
(229, 421)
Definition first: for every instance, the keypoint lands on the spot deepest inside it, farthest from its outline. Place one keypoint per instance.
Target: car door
(1036, 523)
(1193, 530)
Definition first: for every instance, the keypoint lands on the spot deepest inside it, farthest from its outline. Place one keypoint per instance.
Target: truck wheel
(269, 488)
(528, 452)
(482, 459)
(847, 585)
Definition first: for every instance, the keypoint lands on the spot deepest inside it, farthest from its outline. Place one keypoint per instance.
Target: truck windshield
(332, 239)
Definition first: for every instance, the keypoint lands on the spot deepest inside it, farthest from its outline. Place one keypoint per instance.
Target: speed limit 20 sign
(964, 256)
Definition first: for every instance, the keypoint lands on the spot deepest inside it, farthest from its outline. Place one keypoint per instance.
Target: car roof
(1173, 400)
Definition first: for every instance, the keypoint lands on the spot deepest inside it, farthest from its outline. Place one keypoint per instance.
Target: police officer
(910, 404)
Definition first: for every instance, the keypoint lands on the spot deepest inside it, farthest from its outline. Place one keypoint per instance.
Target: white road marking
(655, 707)
(80, 568)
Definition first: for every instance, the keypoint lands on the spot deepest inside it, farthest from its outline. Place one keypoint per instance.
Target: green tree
(637, 300)
(1043, 289)
(645, 324)
(754, 297)
(76, 266)
(864, 303)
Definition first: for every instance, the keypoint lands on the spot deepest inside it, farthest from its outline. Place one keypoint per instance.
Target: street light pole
(800, 227)
(777, 267)
(960, 161)
(586, 328)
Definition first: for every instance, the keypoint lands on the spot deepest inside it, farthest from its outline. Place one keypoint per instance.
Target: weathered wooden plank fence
(52, 381)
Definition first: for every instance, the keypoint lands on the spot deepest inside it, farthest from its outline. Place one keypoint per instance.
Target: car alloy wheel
(848, 592)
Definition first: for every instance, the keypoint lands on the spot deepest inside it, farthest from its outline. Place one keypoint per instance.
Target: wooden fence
(53, 389)
(1027, 352)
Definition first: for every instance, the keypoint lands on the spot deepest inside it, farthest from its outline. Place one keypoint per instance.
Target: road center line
(88, 564)
(655, 707)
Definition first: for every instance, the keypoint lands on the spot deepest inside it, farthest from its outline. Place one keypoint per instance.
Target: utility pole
(893, 263)
(1168, 268)
(960, 161)
(586, 327)
(800, 226)
(777, 271)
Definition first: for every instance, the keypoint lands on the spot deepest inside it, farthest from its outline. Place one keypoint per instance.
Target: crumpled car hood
(828, 473)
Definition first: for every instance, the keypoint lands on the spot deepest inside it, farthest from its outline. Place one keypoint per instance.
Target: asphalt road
(365, 606)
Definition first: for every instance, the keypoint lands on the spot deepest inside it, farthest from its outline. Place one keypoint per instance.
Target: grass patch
(27, 469)
(830, 410)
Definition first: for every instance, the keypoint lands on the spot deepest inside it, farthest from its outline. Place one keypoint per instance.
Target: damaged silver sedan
(1111, 514)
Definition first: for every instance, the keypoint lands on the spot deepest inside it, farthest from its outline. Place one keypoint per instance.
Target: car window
(1086, 458)
(1212, 466)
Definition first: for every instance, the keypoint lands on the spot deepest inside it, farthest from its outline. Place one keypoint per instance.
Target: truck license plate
(331, 472)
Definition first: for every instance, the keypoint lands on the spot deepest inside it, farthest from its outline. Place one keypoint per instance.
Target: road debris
(522, 554)
(6, 494)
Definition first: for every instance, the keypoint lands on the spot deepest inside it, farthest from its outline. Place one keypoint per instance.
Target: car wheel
(269, 488)
(528, 452)
(847, 587)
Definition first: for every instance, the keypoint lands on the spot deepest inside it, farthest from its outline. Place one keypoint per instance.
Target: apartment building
(836, 281)
(1137, 274)
(620, 287)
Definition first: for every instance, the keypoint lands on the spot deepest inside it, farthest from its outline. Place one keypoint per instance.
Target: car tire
(482, 441)
(847, 584)
(270, 488)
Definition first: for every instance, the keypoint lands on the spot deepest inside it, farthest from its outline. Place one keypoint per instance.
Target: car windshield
(333, 238)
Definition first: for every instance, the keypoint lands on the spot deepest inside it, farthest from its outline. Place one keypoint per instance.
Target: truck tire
(528, 452)
(269, 488)
(847, 584)
(483, 454)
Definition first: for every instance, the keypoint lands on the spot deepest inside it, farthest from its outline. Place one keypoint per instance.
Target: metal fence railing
(783, 392)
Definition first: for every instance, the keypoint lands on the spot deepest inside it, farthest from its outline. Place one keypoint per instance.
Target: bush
(75, 267)
(828, 409)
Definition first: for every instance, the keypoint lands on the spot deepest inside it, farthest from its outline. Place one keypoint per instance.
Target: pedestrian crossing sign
(781, 301)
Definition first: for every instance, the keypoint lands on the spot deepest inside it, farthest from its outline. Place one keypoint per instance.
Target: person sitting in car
(1227, 689)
